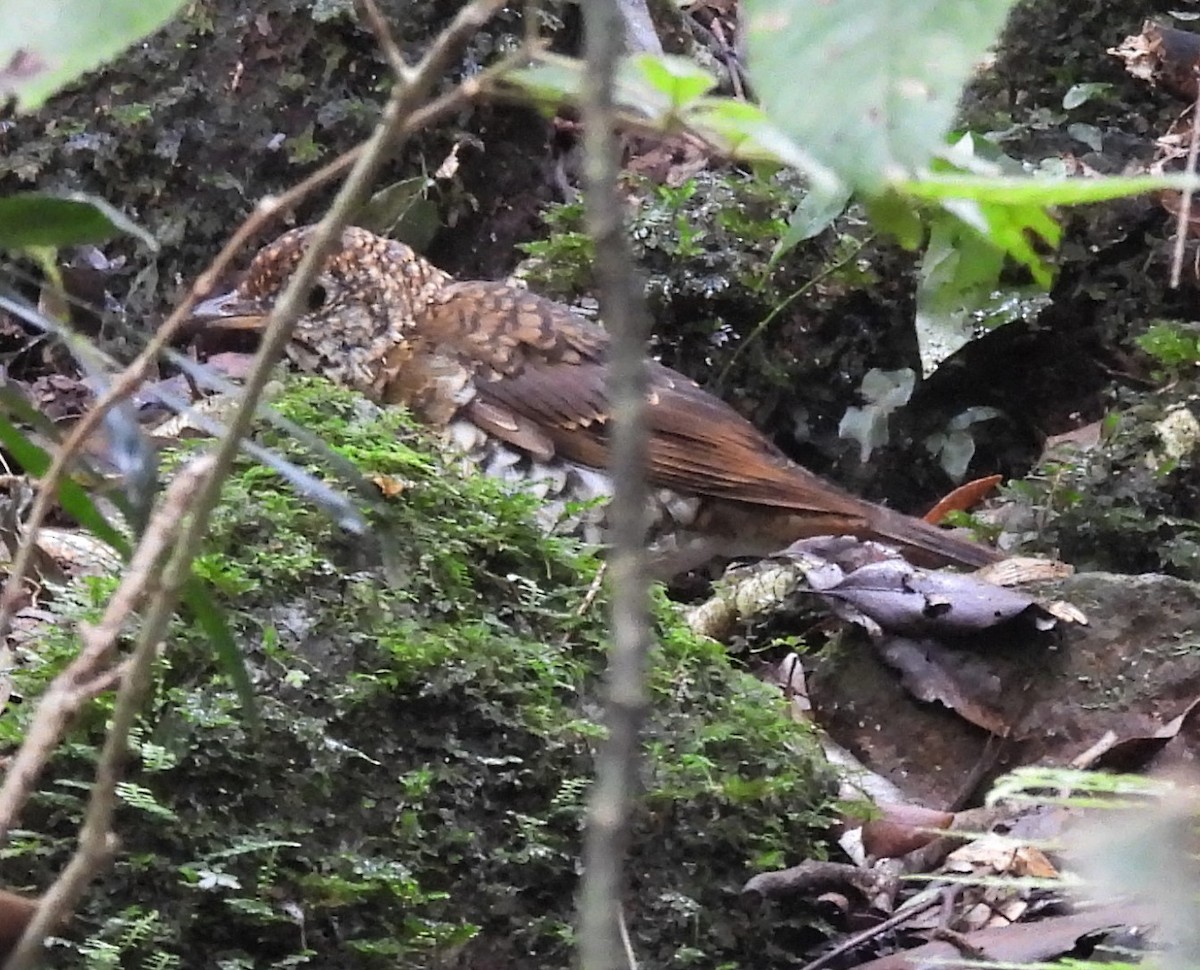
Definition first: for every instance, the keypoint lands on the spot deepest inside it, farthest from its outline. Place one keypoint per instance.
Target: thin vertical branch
(1183, 222)
(607, 840)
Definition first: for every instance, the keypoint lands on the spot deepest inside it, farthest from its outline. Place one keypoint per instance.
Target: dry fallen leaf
(961, 681)
(963, 499)
(1018, 943)
(389, 486)
(901, 598)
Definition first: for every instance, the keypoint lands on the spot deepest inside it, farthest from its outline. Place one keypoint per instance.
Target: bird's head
(360, 306)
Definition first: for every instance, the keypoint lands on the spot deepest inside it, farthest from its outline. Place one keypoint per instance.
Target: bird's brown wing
(543, 379)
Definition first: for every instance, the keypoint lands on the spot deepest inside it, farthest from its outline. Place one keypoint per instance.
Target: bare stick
(96, 840)
(607, 839)
(404, 100)
(1183, 222)
(387, 43)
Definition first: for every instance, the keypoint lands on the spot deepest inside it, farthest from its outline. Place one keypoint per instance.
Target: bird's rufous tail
(925, 544)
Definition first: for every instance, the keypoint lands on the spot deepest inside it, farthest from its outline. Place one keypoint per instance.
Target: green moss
(428, 695)
(711, 235)
(1129, 503)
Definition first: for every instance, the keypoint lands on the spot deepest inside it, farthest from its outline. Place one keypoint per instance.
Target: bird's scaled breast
(433, 383)
(572, 498)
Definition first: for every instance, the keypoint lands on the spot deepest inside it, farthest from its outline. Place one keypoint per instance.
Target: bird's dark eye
(317, 297)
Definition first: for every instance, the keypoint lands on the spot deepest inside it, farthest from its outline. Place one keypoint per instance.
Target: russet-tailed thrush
(516, 382)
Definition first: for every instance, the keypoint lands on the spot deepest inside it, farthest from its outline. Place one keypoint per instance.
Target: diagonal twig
(268, 208)
(375, 19)
(1183, 221)
(396, 122)
(71, 689)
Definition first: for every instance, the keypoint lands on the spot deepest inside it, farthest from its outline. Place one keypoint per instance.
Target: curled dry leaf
(963, 499)
(1127, 754)
(1066, 612)
(901, 829)
(389, 486)
(903, 608)
(897, 597)
(1071, 444)
(79, 553)
(1000, 855)
(1024, 569)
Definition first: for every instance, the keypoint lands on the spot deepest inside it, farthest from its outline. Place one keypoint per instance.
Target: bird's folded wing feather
(543, 366)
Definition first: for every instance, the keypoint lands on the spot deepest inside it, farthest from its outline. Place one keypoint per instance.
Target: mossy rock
(414, 796)
(1128, 503)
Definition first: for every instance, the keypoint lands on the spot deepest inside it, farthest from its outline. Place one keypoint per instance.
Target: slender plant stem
(601, 937)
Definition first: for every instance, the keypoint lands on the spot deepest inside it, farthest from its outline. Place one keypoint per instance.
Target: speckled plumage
(516, 381)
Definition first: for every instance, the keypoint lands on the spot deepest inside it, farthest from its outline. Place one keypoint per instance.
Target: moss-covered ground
(429, 704)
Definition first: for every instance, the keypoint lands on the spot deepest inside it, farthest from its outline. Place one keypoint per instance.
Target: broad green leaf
(45, 46)
(402, 211)
(959, 293)
(1174, 343)
(74, 500)
(1090, 135)
(1012, 228)
(1041, 192)
(551, 83)
(1080, 94)
(680, 80)
(33, 220)
(883, 391)
(812, 216)
(954, 447)
(655, 87)
(897, 216)
(750, 135)
(736, 126)
(870, 87)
